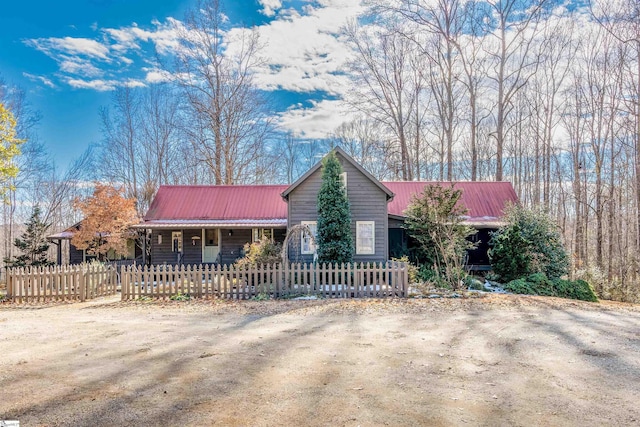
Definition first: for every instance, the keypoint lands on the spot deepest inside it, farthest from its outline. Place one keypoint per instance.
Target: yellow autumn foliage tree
(108, 216)
(9, 148)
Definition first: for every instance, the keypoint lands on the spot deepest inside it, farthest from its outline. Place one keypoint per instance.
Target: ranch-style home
(211, 224)
(200, 224)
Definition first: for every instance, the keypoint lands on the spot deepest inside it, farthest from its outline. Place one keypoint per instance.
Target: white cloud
(45, 81)
(71, 45)
(157, 76)
(103, 85)
(78, 66)
(270, 7)
(99, 85)
(304, 52)
(319, 121)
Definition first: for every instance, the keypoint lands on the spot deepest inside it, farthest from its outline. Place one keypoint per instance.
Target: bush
(435, 220)
(264, 251)
(539, 284)
(180, 297)
(575, 289)
(529, 243)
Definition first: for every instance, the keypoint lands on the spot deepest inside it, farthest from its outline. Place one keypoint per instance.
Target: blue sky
(69, 55)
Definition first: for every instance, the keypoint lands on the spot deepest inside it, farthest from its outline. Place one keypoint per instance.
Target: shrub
(529, 243)
(264, 251)
(539, 284)
(575, 289)
(180, 297)
(434, 220)
(412, 269)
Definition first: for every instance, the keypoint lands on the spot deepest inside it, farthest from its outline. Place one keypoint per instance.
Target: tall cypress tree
(32, 243)
(335, 243)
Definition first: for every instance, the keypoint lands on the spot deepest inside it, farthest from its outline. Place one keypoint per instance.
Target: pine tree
(32, 243)
(335, 243)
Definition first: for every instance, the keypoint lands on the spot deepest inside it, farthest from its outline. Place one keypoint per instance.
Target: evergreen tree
(335, 243)
(32, 243)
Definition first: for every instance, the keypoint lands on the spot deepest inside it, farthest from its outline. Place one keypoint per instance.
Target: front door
(211, 245)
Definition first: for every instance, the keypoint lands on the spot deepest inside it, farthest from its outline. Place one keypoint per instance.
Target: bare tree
(514, 60)
(383, 83)
(214, 67)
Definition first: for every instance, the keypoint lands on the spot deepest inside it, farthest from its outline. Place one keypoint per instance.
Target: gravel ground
(498, 360)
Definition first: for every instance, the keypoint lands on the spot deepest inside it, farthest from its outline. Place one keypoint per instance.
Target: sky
(70, 55)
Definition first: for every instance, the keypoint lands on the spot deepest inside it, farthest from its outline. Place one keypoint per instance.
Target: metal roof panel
(483, 200)
(218, 202)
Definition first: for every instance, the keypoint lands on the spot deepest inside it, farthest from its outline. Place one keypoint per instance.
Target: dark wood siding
(192, 254)
(396, 223)
(161, 253)
(368, 203)
(232, 246)
(75, 255)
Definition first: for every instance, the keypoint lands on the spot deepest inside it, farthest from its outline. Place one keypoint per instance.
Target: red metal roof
(483, 200)
(218, 202)
(256, 203)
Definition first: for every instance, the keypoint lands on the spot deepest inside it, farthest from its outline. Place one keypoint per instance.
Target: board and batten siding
(368, 203)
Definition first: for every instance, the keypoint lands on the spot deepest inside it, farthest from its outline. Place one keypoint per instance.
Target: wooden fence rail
(78, 282)
(242, 282)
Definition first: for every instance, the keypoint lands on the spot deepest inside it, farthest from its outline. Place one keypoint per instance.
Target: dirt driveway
(500, 360)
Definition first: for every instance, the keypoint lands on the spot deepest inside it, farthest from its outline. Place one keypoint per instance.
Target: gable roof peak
(348, 158)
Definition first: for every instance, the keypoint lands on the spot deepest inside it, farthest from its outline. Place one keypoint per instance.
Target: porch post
(144, 247)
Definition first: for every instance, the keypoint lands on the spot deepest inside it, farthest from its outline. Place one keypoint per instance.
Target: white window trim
(177, 235)
(362, 251)
(343, 180)
(312, 246)
(258, 234)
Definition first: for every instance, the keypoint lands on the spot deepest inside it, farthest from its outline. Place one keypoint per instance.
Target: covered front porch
(206, 243)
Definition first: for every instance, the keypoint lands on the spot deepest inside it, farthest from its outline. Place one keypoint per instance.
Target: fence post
(81, 284)
(9, 283)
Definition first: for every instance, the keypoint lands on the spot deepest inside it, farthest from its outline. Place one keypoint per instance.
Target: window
(307, 246)
(262, 233)
(365, 237)
(176, 241)
(211, 237)
(343, 180)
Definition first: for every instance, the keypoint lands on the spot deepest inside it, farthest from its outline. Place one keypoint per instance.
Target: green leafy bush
(575, 289)
(180, 297)
(539, 284)
(529, 243)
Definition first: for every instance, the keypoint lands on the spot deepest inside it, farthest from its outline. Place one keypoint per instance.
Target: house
(211, 224)
(193, 224)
